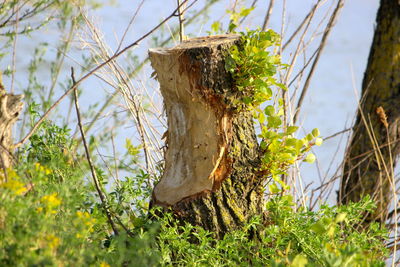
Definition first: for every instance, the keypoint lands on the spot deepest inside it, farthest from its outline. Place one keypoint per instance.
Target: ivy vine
(254, 65)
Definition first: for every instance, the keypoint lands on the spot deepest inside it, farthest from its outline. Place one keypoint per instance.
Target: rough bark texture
(10, 107)
(212, 156)
(365, 171)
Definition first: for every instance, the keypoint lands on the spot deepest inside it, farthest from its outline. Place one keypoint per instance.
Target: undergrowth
(50, 216)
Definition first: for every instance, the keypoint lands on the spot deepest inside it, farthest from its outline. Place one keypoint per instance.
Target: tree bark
(210, 177)
(367, 170)
(10, 108)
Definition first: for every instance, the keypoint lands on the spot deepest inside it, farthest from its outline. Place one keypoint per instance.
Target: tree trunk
(10, 107)
(210, 177)
(367, 170)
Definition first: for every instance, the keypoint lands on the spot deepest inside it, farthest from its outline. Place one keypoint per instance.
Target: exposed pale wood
(198, 129)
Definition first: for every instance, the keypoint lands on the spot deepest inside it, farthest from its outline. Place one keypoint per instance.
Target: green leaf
(245, 11)
(315, 132)
(274, 189)
(340, 217)
(318, 228)
(269, 110)
(291, 129)
(261, 117)
(263, 145)
(232, 27)
(247, 100)
(216, 26)
(318, 141)
(310, 158)
(274, 121)
(331, 231)
(291, 142)
(299, 261)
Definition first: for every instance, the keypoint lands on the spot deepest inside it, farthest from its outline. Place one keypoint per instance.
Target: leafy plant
(50, 214)
(253, 68)
(328, 237)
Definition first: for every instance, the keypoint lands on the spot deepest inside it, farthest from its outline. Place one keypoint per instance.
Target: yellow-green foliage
(50, 214)
(253, 68)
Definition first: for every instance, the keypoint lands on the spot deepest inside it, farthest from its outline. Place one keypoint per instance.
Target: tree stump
(210, 177)
(10, 108)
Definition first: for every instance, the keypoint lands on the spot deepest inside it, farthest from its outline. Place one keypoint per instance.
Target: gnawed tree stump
(10, 108)
(210, 177)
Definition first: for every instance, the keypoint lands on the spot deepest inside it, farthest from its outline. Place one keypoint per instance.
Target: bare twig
(337, 133)
(89, 160)
(129, 25)
(95, 69)
(328, 28)
(268, 14)
(181, 20)
(298, 29)
(14, 49)
(60, 63)
(297, 52)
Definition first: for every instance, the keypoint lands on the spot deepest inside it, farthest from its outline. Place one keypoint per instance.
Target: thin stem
(321, 48)
(181, 20)
(14, 51)
(268, 14)
(89, 160)
(130, 24)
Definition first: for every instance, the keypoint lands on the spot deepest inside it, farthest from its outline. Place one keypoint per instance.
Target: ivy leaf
(273, 188)
(232, 27)
(269, 110)
(309, 137)
(291, 129)
(310, 158)
(274, 121)
(261, 117)
(315, 132)
(216, 26)
(299, 261)
(318, 141)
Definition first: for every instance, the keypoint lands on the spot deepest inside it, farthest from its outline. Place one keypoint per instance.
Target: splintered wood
(192, 83)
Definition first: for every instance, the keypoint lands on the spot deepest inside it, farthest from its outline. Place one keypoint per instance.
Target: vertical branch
(13, 68)
(284, 93)
(268, 14)
(328, 28)
(92, 170)
(181, 20)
